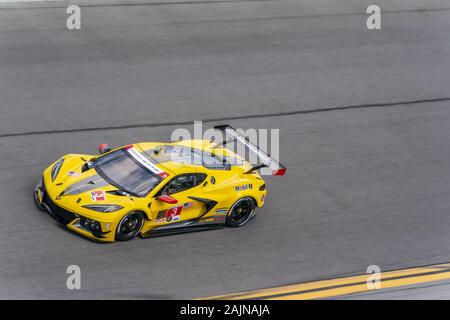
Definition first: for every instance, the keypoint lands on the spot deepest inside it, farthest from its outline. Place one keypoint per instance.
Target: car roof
(162, 154)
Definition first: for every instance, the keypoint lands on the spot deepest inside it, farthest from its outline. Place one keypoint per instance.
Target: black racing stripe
(85, 185)
(249, 116)
(349, 284)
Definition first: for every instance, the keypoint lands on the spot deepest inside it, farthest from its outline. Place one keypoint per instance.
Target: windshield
(122, 171)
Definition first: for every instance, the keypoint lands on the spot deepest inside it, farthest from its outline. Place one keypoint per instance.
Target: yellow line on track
(343, 286)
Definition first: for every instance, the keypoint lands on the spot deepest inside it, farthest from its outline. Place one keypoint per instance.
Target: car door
(179, 188)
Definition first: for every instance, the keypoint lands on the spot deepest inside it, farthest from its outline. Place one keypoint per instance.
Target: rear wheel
(241, 212)
(129, 226)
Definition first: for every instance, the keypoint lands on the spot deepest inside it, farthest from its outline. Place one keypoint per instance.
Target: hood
(76, 179)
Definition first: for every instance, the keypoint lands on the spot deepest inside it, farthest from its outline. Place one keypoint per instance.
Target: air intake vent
(217, 166)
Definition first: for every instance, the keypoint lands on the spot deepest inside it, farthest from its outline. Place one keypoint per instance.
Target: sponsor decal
(188, 205)
(163, 175)
(263, 197)
(98, 195)
(219, 219)
(146, 162)
(161, 216)
(169, 215)
(173, 214)
(221, 211)
(73, 173)
(243, 187)
(213, 220)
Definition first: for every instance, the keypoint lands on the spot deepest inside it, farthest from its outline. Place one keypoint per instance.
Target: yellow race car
(155, 188)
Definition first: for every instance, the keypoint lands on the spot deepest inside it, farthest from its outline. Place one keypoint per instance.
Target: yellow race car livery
(154, 188)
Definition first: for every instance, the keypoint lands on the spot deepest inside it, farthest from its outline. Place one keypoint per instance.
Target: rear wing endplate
(266, 160)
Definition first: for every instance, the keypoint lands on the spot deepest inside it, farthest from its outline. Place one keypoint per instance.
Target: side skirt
(181, 227)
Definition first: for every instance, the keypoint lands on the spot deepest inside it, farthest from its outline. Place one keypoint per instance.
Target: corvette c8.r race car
(155, 188)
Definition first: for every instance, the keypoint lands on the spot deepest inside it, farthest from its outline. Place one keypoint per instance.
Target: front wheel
(129, 226)
(241, 212)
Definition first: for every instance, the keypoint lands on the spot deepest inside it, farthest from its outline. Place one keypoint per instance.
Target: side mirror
(167, 199)
(103, 148)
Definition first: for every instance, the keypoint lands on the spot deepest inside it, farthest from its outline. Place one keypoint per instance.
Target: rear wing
(266, 160)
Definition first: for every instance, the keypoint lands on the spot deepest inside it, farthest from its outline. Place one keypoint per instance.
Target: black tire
(241, 212)
(129, 226)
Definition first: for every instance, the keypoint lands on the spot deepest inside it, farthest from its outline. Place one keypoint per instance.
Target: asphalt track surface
(364, 119)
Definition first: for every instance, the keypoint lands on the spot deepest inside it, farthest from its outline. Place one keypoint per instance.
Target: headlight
(90, 224)
(56, 168)
(103, 207)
